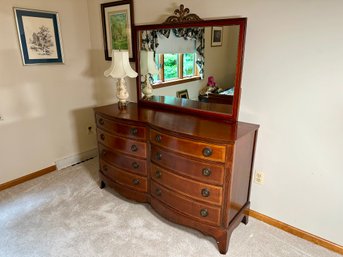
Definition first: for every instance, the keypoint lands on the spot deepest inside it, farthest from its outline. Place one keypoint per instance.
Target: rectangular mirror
(194, 67)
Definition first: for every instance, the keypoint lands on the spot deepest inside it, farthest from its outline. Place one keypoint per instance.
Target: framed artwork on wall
(217, 36)
(117, 22)
(39, 36)
(182, 94)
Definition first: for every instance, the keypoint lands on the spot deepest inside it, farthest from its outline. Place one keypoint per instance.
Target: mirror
(192, 66)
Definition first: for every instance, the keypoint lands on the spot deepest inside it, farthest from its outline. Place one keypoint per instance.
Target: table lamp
(148, 68)
(120, 68)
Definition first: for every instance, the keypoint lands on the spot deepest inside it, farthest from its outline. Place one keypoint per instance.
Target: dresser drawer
(123, 161)
(121, 129)
(188, 187)
(202, 171)
(129, 146)
(132, 181)
(203, 212)
(197, 149)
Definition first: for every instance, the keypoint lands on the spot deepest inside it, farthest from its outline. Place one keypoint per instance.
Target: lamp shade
(147, 63)
(120, 66)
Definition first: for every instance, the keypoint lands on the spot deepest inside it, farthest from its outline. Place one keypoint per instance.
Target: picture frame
(182, 94)
(217, 36)
(39, 36)
(117, 24)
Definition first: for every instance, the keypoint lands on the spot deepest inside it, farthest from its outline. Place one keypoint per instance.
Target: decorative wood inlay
(182, 15)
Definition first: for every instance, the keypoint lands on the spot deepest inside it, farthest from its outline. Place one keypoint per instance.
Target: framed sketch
(39, 36)
(217, 36)
(117, 20)
(182, 94)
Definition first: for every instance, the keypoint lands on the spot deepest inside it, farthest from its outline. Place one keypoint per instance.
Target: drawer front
(188, 187)
(123, 161)
(132, 181)
(131, 147)
(196, 149)
(121, 129)
(202, 171)
(202, 212)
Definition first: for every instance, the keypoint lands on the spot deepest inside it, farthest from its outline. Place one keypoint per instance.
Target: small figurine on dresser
(211, 86)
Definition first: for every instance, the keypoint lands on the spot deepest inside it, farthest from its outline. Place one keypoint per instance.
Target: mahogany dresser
(193, 171)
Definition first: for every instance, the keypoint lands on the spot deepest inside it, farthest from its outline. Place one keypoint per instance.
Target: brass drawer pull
(206, 172)
(207, 151)
(204, 212)
(134, 131)
(158, 192)
(135, 165)
(158, 156)
(158, 138)
(103, 152)
(205, 192)
(135, 181)
(102, 136)
(101, 121)
(158, 174)
(134, 148)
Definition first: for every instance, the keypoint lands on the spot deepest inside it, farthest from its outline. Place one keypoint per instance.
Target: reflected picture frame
(39, 36)
(117, 23)
(217, 36)
(182, 94)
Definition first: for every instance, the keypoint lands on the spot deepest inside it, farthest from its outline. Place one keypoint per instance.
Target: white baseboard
(76, 158)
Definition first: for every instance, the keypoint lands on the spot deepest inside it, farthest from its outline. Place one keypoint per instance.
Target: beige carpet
(64, 213)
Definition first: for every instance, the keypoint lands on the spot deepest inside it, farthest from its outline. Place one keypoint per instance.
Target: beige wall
(292, 87)
(221, 61)
(46, 108)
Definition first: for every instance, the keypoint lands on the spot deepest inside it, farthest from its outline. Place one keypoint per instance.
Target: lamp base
(147, 90)
(122, 105)
(122, 93)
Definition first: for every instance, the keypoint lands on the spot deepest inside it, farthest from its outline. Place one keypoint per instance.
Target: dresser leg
(223, 242)
(245, 219)
(102, 184)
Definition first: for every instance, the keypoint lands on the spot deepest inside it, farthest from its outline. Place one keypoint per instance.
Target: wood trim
(297, 232)
(27, 177)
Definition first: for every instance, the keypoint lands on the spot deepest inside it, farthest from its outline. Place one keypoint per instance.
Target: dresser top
(185, 124)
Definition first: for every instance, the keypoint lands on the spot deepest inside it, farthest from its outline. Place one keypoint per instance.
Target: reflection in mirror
(191, 59)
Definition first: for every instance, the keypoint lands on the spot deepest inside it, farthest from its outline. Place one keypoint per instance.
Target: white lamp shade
(147, 63)
(120, 66)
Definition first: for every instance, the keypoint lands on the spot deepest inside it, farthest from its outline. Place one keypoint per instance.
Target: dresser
(193, 171)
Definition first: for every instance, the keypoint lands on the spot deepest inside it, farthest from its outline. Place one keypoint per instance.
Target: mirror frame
(233, 117)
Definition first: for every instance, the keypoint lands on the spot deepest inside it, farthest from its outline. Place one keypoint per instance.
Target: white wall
(46, 108)
(293, 87)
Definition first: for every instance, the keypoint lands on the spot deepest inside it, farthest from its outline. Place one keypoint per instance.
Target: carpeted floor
(64, 213)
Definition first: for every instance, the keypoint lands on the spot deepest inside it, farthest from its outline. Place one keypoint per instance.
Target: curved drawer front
(188, 187)
(202, 212)
(121, 129)
(122, 161)
(132, 181)
(131, 147)
(202, 171)
(197, 149)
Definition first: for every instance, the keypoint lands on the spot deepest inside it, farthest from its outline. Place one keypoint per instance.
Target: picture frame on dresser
(39, 36)
(182, 94)
(117, 25)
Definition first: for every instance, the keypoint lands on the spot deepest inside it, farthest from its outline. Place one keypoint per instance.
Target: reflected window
(174, 67)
